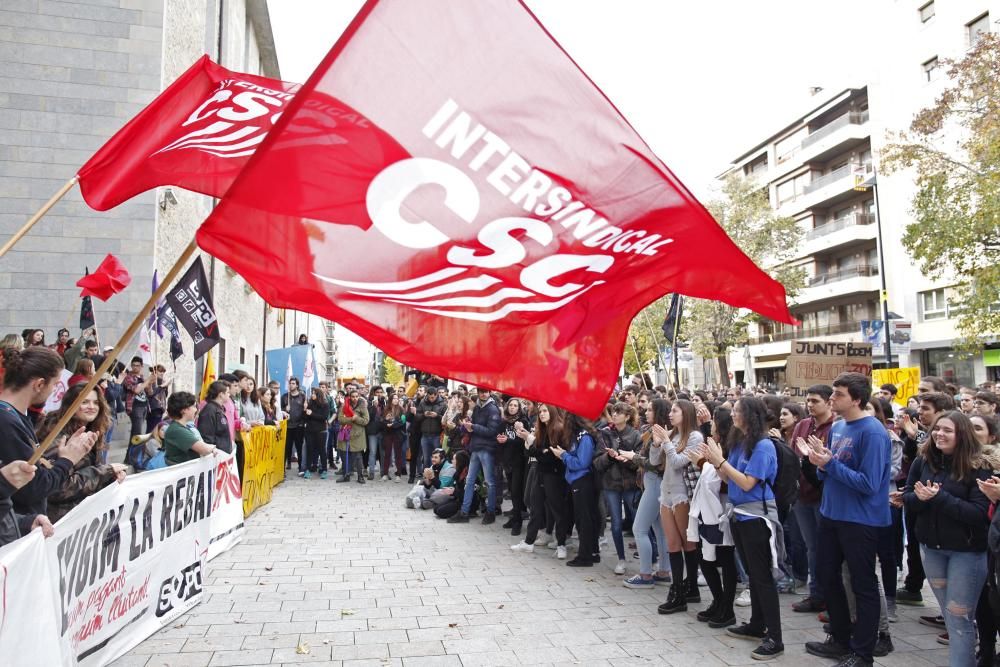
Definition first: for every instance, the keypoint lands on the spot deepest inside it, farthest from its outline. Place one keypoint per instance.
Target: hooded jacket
(437, 405)
(485, 427)
(615, 475)
(957, 517)
(358, 440)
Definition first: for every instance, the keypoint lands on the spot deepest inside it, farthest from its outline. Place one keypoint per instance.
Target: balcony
(843, 274)
(826, 190)
(856, 219)
(832, 177)
(807, 332)
(854, 118)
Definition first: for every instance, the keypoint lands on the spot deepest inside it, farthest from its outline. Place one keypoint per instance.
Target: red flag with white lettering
(197, 134)
(450, 186)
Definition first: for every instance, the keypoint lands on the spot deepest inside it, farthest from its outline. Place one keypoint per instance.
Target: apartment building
(810, 169)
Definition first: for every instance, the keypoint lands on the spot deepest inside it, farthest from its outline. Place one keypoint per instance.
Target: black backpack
(786, 482)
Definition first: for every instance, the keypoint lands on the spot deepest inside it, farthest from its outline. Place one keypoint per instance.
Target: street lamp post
(884, 293)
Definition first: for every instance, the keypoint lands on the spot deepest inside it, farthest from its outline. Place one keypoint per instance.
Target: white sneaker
(543, 540)
(553, 544)
(744, 599)
(384, 478)
(602, 542)
(701, 580)
(561, 553)
(620, 568)
(523, 547)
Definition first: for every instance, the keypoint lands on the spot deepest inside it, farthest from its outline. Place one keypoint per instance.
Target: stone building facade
(71, 74)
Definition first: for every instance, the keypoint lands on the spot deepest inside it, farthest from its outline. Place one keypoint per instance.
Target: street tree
(953, 150)
(769, 240)
(392, 372)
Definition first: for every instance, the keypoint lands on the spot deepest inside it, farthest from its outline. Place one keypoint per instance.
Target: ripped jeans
(957, 578)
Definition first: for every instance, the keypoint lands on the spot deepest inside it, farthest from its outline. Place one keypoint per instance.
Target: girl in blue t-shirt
(750, 472)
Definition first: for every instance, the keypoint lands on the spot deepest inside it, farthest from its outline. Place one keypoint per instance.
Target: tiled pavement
(343, 574)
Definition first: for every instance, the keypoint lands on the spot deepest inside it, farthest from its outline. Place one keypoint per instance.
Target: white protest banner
(55, 398)
(819, 362)
(28, 630)
(127, 561)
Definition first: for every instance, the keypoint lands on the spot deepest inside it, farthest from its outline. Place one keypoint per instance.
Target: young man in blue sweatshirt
(855, 504)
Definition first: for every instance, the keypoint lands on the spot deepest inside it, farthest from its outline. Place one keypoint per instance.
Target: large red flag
(197, 134)
(450, 186)
(110, 278)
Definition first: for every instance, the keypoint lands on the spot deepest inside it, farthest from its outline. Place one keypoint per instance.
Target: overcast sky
(700, 81)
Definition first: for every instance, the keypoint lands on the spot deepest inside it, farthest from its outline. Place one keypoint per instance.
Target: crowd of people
(832, 496)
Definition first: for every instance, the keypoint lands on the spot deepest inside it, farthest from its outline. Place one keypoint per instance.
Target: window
(757, 166)
(931, 69)
(243, 355)
(927, 12)
(977, 28)
(933, 305)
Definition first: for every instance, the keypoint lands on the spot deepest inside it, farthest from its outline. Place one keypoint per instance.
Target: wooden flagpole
(38, 216)
(140, 319)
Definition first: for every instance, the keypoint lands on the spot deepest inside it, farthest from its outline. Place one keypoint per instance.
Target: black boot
(515, 528)
(723, 618)
(675, 600)
(708, 614)
(691, 592)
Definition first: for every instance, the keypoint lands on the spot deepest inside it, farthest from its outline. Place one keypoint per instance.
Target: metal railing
(832, 177)
(806, 332)
(840, 223)
(853, 118)
(835, 276)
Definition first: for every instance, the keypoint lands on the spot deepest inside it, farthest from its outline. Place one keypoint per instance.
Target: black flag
(165, 316)
(191, 301)
(86, 310)
(672, 321)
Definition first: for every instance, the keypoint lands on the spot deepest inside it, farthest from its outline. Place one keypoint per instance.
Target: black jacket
(214, 427)
(376, 421)
(295, 406)
(316, 422)
(431, 425)
(618, 476)
(956, 518)
(12, 524)
(485, 427)
(17, 443)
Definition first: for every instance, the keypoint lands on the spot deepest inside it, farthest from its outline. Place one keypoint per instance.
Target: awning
(778, 363)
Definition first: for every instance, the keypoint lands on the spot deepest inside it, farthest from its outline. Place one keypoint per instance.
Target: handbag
(345, 433)
(159, 460)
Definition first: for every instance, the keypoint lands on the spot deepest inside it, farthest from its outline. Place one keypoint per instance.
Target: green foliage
(392, 372)
(953, 147)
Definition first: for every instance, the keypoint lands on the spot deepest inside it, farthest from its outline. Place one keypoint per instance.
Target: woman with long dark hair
(514, 461)
(943, 492)
(392, 439)
(574, 446)
(535, 444)
(317, 413)
(619, 474)
(675, 499)
(749, 471)
(89, 475)
(710, 503)
(646, 525)
(213, 423)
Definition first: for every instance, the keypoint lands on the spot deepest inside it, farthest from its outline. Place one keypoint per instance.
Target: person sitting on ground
(440, 474)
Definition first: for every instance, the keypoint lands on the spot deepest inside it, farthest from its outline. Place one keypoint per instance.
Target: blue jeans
(428, 443)
(374, 441)
(807, 517)
(647, 518)
(615, 501)
(480, 460)
(957, 579)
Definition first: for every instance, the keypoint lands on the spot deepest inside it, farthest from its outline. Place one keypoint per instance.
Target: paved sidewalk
(343, 574)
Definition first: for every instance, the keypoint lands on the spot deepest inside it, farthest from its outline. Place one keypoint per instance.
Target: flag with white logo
(450, 186)
(197, 134)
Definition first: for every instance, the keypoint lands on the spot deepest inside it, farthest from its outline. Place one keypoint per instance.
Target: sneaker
(306, 475)
(890, 610)
(809, 605)
(745, 631)
(768, 650)
(322, 475)
(371, 475)
(665, 579)
(561, 553)
(343, 479)
(489, 518)
(883, 645)
(553, 543)
(637, 582)
(396, 478)
(904, 596)
(461, 517)
(829, 648)
(701, 580)
(385, 478)
(542, 540)
(786, 586)
(523, 547)
(302, 473)
(602, 542)
(823, 617)
(943, 638)
(426, 504)
(854, 660)
(932, 621)
(361, 478)
(744, 598)
(408, 502)
(620, 567)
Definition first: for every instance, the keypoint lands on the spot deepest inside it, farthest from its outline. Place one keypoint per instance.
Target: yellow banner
(906, 380)
(263, 464)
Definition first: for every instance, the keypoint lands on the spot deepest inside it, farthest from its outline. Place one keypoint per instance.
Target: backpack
(786, 482)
